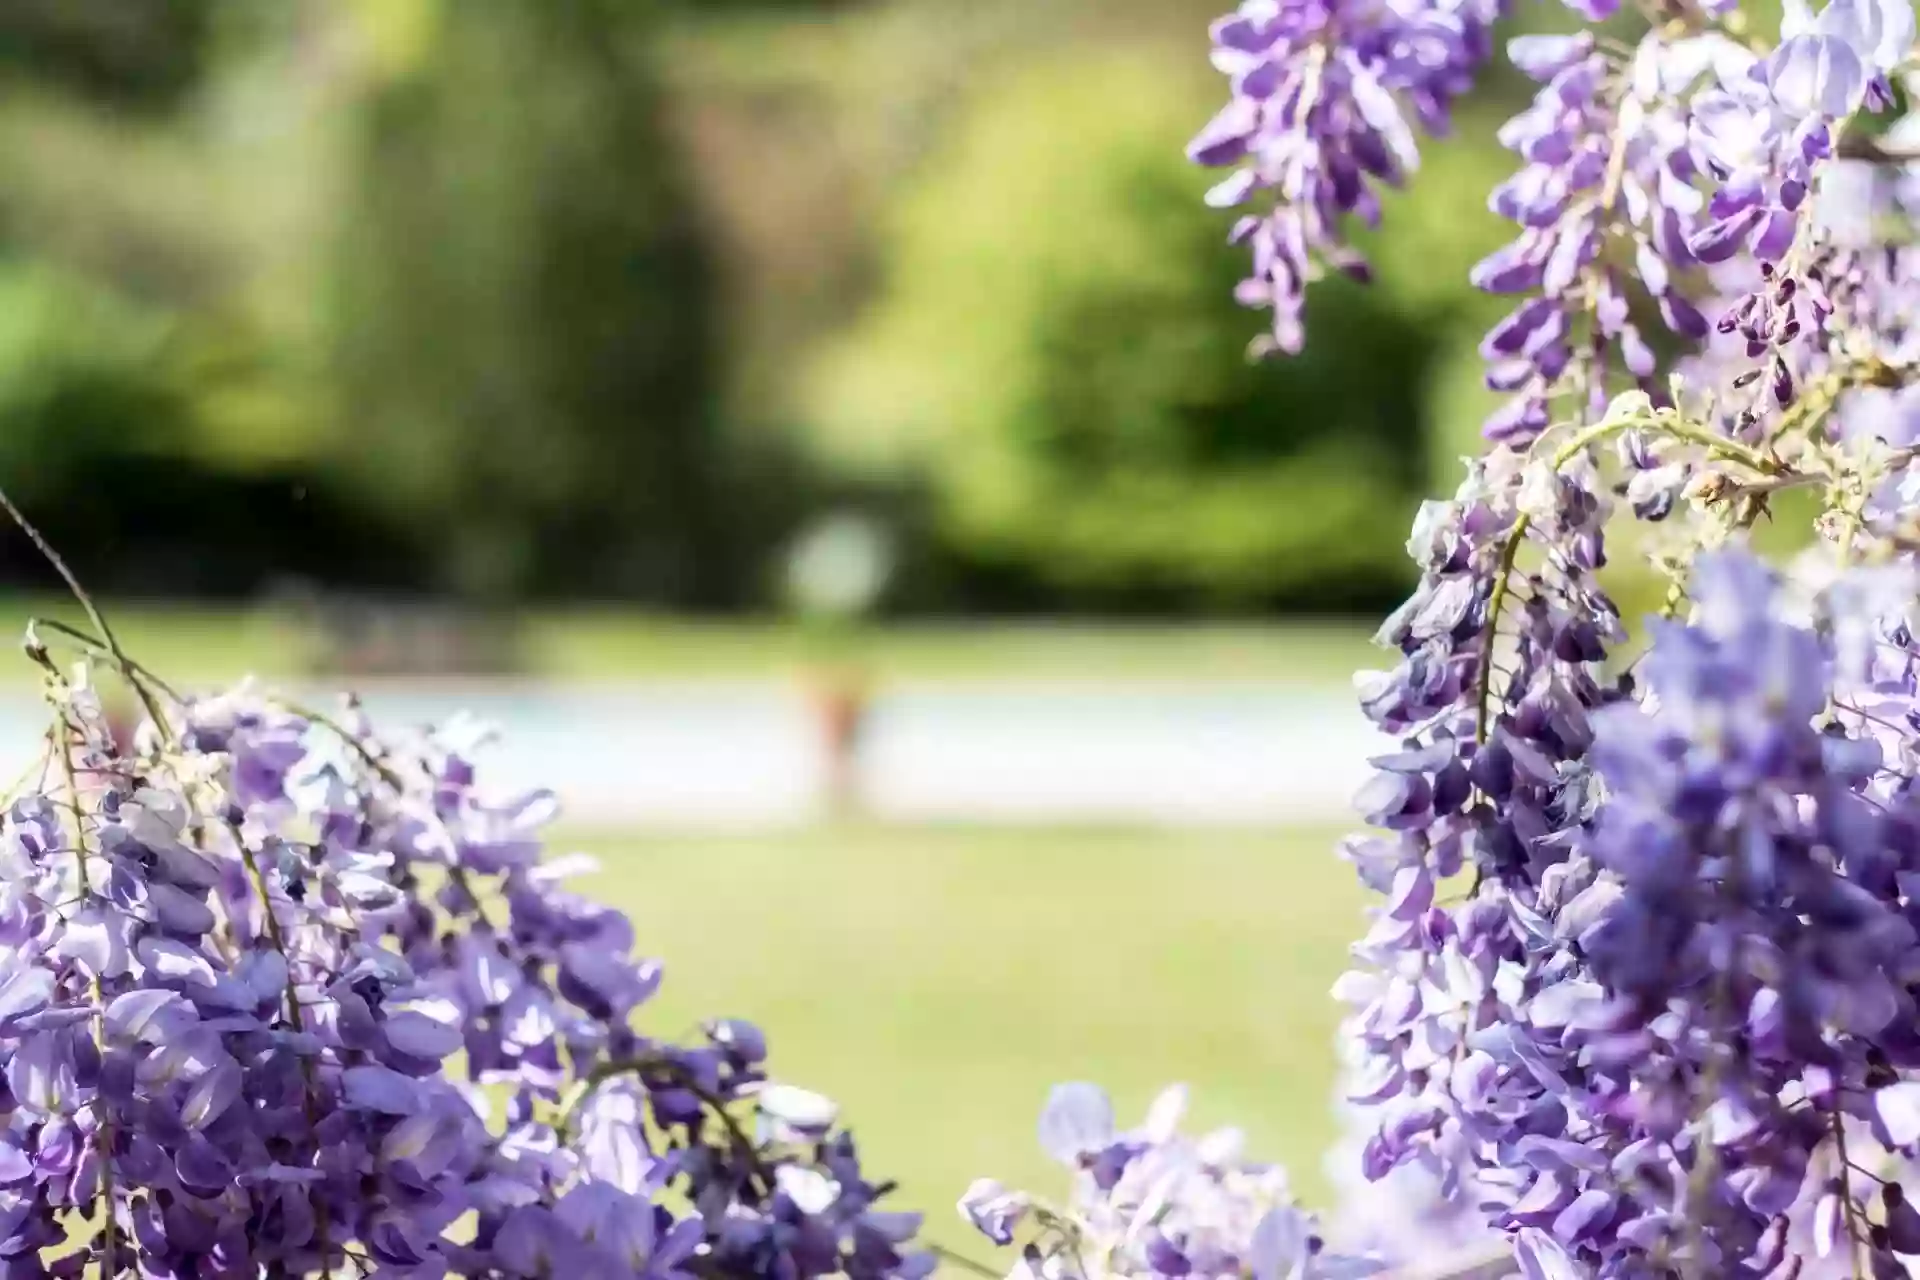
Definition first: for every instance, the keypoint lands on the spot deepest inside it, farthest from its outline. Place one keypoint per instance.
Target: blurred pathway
(750, 755)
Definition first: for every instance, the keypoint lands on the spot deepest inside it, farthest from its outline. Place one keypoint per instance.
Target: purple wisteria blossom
(1328, 98)
(1640, 995)
(285, 996)
(1417, 1210)
(1766, 125)
(1678, 1024)
(1153, 1201)
(1663, 1030)
(1608, 166)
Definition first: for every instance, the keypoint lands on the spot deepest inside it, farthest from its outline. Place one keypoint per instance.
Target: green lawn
(588, 642)
(196, 644)
(937, 981)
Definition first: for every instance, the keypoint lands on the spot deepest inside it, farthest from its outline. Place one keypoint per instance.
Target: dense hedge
(1055, 353)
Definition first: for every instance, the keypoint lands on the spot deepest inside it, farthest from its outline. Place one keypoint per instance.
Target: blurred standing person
(837, 572)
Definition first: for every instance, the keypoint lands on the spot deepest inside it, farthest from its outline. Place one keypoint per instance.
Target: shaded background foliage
(135, 56)
(1082, 403)
(613, 300)
(524, 344)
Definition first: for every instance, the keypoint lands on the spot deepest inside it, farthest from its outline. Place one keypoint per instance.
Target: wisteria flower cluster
(1326, 97)
(1152, 1201)
(1640, 999)
(281, 995)
(1641, 995)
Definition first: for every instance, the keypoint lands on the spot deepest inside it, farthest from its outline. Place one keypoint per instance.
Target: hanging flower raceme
(1768, 123)
(1720, 1008)
(1326, 99)
(1422, 1209)
(1680, 1034)
(1607, 186)
(1640, 988)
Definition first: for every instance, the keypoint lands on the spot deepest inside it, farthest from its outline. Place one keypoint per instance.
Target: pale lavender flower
(1154, 1202)
(1327, 96)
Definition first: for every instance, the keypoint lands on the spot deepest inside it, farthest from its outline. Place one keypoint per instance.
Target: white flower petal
(1077, 1121)
(1816, 75)
(797, 1107)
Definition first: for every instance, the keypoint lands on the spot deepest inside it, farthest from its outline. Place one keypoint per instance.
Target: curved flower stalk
(285, 995)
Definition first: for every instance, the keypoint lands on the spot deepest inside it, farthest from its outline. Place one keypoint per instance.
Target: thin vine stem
(1501, 589)
(359, 745)
(1847, 1207)
(744, 1145)
(1865, 1172)
(1852, 518)
(1582, 440)
(962, 1261)
(100, 648)
(92, 610)
(1503, 574)
(103, 1134)
(391, 777)
(276, 937)
(1807, 412)
(1854, 145)
(1495, 1262)
(39, 766)
(1706, 1160)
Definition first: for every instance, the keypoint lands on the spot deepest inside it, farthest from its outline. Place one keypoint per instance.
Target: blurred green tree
(120, 52)
(521, 324)
(134, 381)
(100, 405)
(1056, 353)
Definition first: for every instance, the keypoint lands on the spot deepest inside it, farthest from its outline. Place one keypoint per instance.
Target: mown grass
(939, 981)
